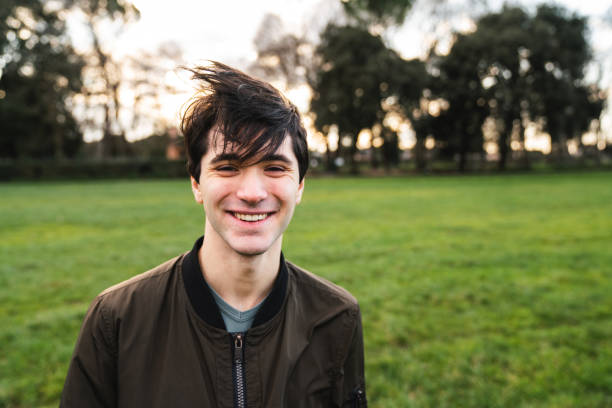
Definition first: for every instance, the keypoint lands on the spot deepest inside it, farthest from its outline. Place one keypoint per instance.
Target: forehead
(219, 149)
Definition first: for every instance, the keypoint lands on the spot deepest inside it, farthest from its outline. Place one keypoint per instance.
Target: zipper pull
(238, 342)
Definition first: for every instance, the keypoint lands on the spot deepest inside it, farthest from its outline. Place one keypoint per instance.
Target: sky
(225, 30)
(218, 30)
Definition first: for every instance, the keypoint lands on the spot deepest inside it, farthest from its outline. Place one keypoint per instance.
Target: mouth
(251, 217)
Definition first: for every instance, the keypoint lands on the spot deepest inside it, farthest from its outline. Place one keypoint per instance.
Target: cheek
(214, 193)
(286, 192)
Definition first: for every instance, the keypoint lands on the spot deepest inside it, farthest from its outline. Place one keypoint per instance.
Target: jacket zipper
(238, 370)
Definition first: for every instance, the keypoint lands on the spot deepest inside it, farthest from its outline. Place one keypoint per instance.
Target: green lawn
(483, 291)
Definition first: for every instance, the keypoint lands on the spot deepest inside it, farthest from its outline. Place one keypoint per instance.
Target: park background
(459, 183)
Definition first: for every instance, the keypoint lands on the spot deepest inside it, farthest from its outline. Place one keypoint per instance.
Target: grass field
(483, 291)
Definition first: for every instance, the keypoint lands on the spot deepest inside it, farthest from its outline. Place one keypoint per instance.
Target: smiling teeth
(250, 217)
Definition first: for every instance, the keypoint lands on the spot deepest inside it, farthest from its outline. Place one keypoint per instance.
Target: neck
(242, 281)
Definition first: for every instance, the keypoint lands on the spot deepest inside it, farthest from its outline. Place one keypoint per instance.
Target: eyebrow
(275, 157)
(225, 157)
(233, 157)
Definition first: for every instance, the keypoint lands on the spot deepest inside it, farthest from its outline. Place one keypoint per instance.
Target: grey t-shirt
(235, 320)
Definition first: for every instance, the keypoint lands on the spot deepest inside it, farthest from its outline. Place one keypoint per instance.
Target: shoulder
(130, 301)
(326, 313)
(319, 291)
(143, 288)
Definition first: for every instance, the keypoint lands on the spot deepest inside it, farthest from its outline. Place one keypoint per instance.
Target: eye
(227, 168)
(275, 169)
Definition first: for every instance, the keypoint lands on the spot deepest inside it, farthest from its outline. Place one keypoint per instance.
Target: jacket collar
(203, 302)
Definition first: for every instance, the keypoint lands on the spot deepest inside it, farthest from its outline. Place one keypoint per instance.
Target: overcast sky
(220, 30)
(225, 30)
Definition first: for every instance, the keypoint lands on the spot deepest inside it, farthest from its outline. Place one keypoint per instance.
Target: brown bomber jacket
(158, 340)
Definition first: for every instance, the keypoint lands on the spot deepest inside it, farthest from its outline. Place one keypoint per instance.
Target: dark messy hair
(250, 114)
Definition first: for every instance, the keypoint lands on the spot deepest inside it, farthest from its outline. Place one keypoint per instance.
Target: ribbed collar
(202, 299)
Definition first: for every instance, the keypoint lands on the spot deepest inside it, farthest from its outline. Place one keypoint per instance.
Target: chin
(249, 243)
(251, 249)
(250, 252)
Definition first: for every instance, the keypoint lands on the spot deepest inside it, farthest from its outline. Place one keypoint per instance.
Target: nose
(252, 188)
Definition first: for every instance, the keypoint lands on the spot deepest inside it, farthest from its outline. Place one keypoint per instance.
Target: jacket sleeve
(354, 377)
(91, 380)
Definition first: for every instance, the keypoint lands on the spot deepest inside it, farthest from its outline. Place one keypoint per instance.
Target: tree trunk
(331, 157)
(374, 162)
(504, 138)
(420, 154)
(112, 144)
(503, 149)
(526, 162)
(106, 143)
(463, 151)
(353, 152)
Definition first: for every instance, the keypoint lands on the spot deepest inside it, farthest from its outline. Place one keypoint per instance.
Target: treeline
(52, 95)
(515, 72)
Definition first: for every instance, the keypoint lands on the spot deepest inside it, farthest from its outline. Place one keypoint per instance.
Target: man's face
(248, 205)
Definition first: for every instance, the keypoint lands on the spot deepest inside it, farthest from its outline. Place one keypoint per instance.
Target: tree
(520, 67)
(350, 84)
(502, 42)
(458, 128)
(39, 74)
(410, 81)
(103, 74)
(558, 57)
(281, 55)
(144, 74)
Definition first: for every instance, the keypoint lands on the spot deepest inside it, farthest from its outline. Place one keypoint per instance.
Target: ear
(195, 189)
(298, 197)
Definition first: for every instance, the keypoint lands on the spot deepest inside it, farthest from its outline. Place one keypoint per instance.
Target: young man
(230, 323)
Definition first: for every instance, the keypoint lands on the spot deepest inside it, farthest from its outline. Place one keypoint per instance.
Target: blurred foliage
(411, 85)
(103, 72)
(39, 73)
(282, 55)
(50, 94)
(560, 53)
(138, 167)
(515, 68)
(384, 12)
(351, 83)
